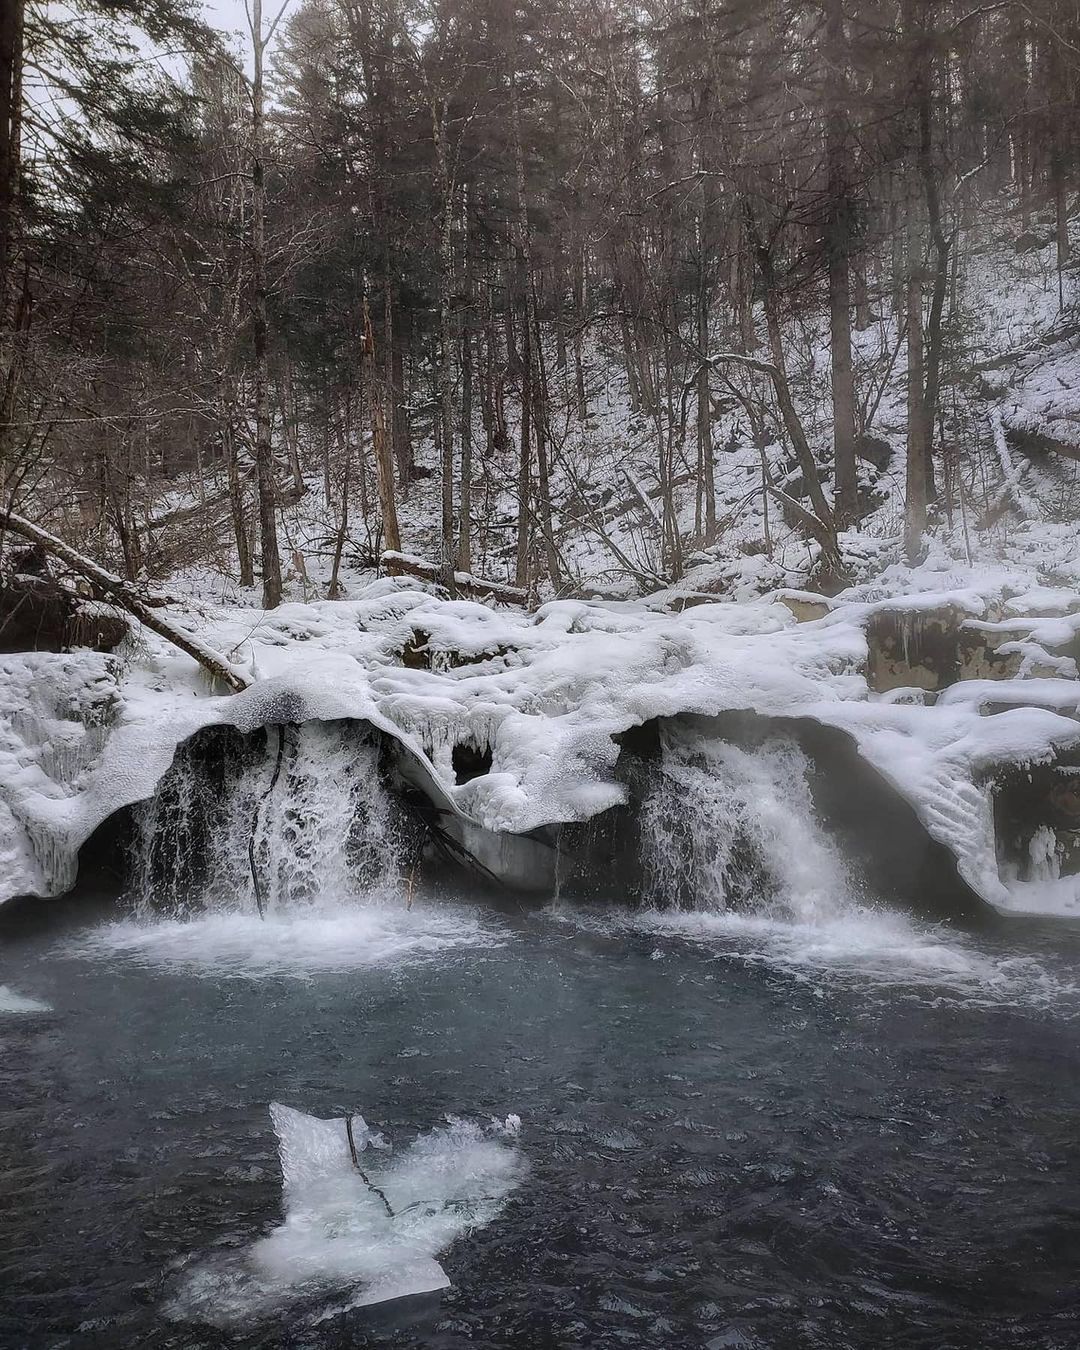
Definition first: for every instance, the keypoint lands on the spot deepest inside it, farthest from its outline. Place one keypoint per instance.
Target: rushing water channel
(798, 1121)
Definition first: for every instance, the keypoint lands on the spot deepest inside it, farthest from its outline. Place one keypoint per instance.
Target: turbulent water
(307, 834)
(728, 829)
(307, 821)
(759, 1112)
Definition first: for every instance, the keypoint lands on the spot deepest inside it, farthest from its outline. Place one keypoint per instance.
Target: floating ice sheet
(340, 1245)
(11, 1002)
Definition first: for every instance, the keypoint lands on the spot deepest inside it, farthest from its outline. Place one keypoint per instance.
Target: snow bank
(82, 735)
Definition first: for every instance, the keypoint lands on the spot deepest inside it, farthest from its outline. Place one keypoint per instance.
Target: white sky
(228, 15)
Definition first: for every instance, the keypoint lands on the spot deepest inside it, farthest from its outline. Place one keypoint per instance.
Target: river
(765, 1114)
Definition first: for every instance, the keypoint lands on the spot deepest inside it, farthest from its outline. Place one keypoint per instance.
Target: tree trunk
(264, 455)
(838, 249)
(236, 500)
(704, 407)
(403, 452)
(444, 373)
(543, 481)
(14, 314)
(11, 67)
(524, 260)
(580, 296)
(933, 336)
(464, 552)
(380, 439)
(792, 422)
(290, 427)
(334, 590)
(915, 515)
(524, 481)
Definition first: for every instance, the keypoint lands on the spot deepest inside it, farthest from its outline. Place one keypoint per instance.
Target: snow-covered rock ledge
(84, 734)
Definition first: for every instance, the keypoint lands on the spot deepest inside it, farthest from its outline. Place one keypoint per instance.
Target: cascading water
(727, 829)
(734, 855)
(324, 841)
(315, 830)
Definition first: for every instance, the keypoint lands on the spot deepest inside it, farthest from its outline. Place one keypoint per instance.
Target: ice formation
(542, 694)
(13, 1003)
(356, 1232)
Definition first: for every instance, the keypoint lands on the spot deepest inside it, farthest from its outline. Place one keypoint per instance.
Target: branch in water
(363, 1175)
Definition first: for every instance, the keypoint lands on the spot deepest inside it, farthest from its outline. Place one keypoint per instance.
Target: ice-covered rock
(509, 721)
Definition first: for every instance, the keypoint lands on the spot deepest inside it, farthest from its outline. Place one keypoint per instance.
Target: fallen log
(120, 592)
(404, 563)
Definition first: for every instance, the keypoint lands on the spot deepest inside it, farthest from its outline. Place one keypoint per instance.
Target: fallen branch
(1011, 473)
(363, 1175)
(397, 563)
(118, 590)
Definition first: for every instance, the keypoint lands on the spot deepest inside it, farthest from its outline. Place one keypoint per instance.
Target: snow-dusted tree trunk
(118, 590)
(264, 455)
(838, 231)
(376, 396)
(444, 378)
(917, 448)
(11, 98)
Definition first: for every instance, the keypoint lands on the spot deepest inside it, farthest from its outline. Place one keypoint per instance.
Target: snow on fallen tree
(121, 593)
(480, 587)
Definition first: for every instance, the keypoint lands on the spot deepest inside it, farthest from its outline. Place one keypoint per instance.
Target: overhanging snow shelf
(542, 700)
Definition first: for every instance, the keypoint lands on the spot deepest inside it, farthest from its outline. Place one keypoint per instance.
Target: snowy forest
(568, 296)
(539, 674)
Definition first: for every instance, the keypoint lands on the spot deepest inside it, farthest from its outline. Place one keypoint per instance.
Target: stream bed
(737, 1131)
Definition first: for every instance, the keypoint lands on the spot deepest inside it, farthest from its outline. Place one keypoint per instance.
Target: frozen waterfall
(729, 829)
(309, 816)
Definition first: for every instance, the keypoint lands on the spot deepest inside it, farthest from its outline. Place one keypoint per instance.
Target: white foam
(11, 1002)
(865, 945)
(339, 1247)
(294, 943)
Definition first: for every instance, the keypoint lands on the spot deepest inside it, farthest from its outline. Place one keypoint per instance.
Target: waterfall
(325, 831)
(729, 829)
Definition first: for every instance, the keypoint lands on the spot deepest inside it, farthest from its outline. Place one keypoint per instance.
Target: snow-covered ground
(84, 734)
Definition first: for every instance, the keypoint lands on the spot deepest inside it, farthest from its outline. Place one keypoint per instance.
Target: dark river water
(735, 1133)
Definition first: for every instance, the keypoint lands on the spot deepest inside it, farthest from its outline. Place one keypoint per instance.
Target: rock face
(37, 614)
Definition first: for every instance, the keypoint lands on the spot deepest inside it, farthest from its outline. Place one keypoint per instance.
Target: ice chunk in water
(11, 1002)
(339, 1236)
